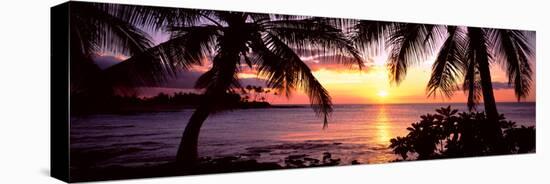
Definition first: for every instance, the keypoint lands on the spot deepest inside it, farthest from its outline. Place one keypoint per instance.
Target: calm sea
(355, 132)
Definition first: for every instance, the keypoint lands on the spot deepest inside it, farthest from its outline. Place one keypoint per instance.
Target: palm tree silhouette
(270, 44)
(95, 28)
(466, 53)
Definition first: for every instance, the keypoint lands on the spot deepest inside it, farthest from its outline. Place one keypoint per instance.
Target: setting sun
(382, 93)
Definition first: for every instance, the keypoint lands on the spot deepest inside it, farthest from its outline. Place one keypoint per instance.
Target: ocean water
(355, 132)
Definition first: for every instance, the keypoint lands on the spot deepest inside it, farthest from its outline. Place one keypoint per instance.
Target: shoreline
(229, 164)
(130, 110)
(176, 108)
(207, 165)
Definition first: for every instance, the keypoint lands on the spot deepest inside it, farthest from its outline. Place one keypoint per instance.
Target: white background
(24, 92)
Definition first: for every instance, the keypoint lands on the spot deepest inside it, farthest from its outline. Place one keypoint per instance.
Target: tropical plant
(449, 134)
(96, 29)
(465, 55)
(271, 45)
(400, 146)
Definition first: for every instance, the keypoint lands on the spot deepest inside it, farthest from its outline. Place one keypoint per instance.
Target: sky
(346, 86)
(373, 86)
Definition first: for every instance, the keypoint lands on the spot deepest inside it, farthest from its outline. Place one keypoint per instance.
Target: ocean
(355, 132)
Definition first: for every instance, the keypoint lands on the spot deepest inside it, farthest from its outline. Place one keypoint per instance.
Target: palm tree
(466, 53)
(119, 29)
(271, 45)
(94, 28)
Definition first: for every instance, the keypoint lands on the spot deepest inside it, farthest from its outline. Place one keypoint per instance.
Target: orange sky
(373, 86)
(370, 85)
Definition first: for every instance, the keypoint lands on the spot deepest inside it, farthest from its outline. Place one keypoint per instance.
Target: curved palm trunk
(187, 151)
(494, 135)
(479, 53)
(487, 90)
(216, 81)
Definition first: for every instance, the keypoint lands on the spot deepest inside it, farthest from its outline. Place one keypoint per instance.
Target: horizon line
(403, 103)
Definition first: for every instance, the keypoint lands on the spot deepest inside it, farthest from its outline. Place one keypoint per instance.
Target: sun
(383, 93)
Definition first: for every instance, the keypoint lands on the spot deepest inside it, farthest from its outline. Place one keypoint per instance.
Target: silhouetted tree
(272, 44)
(449, 134)
(96, 28)
(400, 146)
(258, 91)
(266, 95)
(465, 53)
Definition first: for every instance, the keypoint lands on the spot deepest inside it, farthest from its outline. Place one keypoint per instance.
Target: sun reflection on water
(382, 126)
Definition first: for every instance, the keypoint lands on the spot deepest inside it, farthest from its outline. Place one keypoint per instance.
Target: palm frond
(259, 18)
(513, 50)
(285, 71)
(229, 17)
(315, 35)
(408, 47)
(98, 30)
(433, 33)
(154, 18)
(476, 53)
(448, 66)
(370, 36)
(193, 43)
(272, 67)
(345, 25)
(188, 46)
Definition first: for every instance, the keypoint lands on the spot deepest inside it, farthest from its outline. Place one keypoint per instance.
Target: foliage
(160, 102)
(450, 134)
(257, 92)
(268, 44)
(95, 30)
(460, 58)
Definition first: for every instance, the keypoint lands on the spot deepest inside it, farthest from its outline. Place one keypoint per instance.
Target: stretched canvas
(144, 91)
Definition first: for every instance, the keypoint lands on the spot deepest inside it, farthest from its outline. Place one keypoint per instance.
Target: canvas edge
(59, 89)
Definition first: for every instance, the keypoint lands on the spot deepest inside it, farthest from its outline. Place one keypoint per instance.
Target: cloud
(499, 86)
(332, 63)
(502, 85)
(187, 80)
